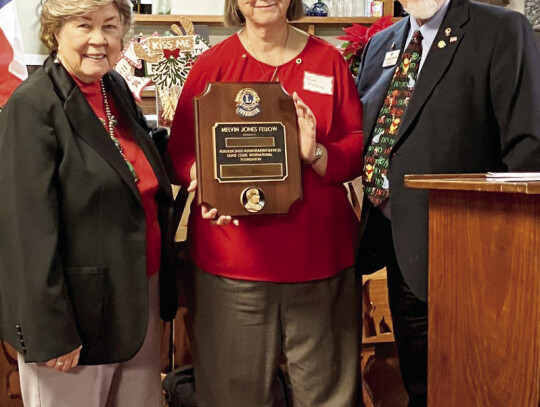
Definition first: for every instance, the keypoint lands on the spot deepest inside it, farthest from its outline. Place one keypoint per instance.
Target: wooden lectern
(484, 291)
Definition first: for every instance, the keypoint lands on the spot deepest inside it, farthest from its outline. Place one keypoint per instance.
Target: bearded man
(468, 99)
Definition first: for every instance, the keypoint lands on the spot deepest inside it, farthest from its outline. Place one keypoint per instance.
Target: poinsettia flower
(355, 33)
(356, 39)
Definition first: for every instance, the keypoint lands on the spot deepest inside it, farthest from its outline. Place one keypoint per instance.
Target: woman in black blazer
(86, 228)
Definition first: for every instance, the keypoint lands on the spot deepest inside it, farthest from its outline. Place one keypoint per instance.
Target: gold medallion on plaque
(253, 199)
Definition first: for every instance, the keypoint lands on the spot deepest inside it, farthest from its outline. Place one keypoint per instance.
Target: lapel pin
(441, 44)
(447, 31)
(453, 39)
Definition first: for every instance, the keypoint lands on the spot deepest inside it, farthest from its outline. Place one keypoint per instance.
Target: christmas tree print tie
(377, 156)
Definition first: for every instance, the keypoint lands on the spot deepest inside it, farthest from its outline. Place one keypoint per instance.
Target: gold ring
(60, 363)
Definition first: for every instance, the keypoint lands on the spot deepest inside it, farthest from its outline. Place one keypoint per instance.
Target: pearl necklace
(110, 125)
(257, 59)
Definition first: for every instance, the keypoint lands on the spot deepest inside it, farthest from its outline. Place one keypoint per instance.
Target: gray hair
(54, 14)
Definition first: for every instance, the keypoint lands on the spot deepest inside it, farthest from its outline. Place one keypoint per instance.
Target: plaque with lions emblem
(248, 161)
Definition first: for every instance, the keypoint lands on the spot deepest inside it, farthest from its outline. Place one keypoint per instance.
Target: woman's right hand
(65, 362)
(193, 175)
(206, 211)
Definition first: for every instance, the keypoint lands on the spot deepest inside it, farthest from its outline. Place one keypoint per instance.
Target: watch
(318, 154)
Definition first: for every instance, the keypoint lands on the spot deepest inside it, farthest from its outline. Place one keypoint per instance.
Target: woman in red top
(266, 285)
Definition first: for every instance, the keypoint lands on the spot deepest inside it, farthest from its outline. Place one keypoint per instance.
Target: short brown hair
(54, 14)
(233, 16)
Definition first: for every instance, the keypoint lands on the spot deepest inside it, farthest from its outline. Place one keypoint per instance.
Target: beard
(422, 9)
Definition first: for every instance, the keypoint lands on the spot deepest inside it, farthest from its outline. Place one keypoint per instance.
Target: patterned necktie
(384, 135)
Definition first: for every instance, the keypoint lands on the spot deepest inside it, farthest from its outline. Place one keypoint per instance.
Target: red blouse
(147, 184)
(316, 239)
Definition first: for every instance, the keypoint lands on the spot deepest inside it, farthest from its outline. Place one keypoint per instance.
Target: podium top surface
(474, 182)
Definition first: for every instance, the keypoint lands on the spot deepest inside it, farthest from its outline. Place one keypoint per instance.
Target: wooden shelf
(305, 23)
(149, 19)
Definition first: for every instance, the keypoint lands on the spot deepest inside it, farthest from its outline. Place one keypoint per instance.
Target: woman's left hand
(307, 129)
(65, 362)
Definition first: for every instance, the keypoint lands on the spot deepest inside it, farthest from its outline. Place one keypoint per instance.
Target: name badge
(318, 83)
(391, 58)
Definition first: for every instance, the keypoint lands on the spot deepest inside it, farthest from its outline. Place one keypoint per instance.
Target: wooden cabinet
(484, 291)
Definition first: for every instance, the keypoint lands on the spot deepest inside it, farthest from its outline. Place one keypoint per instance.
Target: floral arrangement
(356, 39)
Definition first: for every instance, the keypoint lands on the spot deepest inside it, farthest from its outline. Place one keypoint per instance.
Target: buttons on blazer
(21, 338)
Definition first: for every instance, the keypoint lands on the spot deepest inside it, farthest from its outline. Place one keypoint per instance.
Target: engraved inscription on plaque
(250, 151)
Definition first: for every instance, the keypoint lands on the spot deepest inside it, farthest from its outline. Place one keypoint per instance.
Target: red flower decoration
(356, 39)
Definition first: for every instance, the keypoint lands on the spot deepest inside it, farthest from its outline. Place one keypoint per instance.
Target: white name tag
(318, 83)
(391, 58)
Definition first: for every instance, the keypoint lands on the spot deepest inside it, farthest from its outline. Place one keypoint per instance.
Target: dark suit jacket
(475, 108)
(72, 226)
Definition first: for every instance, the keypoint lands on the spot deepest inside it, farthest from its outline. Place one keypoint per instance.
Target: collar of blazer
(437, 61)
(87, 126)
(434, 66)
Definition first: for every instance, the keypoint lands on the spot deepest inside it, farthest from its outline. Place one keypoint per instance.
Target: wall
(200, 7)
(28, 14)
(517, 5)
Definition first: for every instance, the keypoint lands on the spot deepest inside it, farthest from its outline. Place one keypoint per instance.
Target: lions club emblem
(247, 103)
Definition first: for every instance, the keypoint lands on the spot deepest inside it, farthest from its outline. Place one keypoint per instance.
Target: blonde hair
(233, 16)
(54, 14)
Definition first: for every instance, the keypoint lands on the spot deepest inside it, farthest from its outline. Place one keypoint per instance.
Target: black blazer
(475, 108)
(72, 226)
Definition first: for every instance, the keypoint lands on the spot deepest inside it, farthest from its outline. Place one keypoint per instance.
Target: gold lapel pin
(447, 31)
(441, 44)
(453, 39)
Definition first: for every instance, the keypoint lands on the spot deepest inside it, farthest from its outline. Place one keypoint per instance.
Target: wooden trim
(149, 19)
(470, 182)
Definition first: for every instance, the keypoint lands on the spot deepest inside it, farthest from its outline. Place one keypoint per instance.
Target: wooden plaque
(248, 161)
